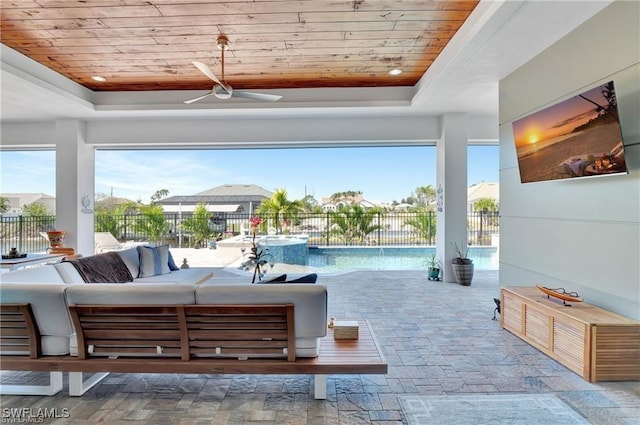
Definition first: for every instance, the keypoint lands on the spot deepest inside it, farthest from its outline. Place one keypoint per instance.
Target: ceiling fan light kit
(222, 90)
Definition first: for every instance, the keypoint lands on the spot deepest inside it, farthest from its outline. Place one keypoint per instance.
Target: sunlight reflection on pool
(326, 260)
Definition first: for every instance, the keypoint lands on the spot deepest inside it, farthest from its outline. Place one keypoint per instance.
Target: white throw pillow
(154, 260)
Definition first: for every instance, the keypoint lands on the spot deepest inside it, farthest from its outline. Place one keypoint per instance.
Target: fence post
(327, 227)
(175, 229)
(124, 226)
(20, 232)
(379, 228)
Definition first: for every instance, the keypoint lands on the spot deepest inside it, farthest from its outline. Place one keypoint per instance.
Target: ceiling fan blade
(209, 73)
(256, 96)
(198, 98)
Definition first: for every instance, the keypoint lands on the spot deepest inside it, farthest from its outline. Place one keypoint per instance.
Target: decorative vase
(56, 238)
(463, 273)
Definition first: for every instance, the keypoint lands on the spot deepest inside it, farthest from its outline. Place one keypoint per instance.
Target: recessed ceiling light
(395, 71)
(98, 78)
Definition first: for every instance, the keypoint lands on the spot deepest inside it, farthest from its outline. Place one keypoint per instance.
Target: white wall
(583, 234)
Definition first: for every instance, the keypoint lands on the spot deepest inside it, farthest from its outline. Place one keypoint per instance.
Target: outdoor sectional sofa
(56, 297)
(66, 272)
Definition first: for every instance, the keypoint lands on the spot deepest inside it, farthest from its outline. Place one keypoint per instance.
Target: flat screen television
(577, 137)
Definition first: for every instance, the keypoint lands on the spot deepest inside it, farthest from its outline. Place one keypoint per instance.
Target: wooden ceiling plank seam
(255, 8)
(390, 16)
(230, 31)
(411, 5)
(173, 21)
(307, 61)
(79, 13)
(187, 57)
(371, 35)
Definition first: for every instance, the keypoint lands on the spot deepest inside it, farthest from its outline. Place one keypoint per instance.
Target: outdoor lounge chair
(105, 242)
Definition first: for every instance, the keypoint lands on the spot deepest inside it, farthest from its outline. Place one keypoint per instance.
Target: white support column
(74, 181)
(451, 187)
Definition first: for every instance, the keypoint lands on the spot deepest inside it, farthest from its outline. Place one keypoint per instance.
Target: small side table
(69, 253)
(30, 260)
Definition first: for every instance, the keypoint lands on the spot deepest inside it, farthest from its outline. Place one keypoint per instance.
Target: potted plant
(462, 266)
(433, 267)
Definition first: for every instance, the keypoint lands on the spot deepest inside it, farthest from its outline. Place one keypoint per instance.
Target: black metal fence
(324, 229)
(26, 233)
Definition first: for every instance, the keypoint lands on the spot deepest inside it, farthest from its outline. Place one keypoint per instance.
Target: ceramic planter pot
(56, 238)
(463, 273)
(434, 272)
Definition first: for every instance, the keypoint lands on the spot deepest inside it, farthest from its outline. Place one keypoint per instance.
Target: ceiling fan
(222, 90)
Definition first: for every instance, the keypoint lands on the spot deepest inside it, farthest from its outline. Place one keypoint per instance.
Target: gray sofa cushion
(49, 309)
(41, 274)
(190, 276)
(131, 259)
(130, 293)
(68, 272)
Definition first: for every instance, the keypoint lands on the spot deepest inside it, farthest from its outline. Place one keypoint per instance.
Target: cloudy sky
(382, 174)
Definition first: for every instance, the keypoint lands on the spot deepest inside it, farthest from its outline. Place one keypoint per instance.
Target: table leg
(320, 387)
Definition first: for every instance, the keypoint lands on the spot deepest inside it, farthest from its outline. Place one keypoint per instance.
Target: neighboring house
(482, 190)
(402, 207)
(112, 202)
(334, 205)
(228, 198)
(18, 200)
(330, 206)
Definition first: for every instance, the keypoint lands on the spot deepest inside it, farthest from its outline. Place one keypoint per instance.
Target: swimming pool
(327, 260)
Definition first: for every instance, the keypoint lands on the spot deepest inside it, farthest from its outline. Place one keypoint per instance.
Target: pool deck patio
(438, 339)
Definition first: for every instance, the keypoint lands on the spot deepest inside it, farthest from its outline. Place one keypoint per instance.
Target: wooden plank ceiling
(149, 44)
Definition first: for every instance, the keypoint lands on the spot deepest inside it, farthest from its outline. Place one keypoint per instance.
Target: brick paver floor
(438, 339)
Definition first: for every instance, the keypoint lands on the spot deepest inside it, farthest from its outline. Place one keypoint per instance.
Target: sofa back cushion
(310, 302)
(41, 274)
(131, 259)
(68, 272)
(131, 293)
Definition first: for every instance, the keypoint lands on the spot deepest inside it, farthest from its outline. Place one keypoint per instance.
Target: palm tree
(4, 204)
(280, 209)
(153, 223)
(42, 221)
(199, 226)
(352, 224)
(485, 204)
(425, 224)
(162, 193)
(425, 195)
(110, 219)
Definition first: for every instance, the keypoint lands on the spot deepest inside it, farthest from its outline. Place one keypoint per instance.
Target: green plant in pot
(462, 266)
(433, 267)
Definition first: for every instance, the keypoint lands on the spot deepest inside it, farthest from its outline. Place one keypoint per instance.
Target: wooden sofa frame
(209, 339)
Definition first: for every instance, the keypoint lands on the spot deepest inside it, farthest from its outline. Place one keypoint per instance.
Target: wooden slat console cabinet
(595, 343)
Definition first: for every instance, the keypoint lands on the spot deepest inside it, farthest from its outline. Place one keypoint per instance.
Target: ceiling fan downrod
(223, 44)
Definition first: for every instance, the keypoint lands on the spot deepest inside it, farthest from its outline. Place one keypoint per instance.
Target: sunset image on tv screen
(577, 137)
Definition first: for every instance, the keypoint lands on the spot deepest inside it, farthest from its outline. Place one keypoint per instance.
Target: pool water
(327, 260)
